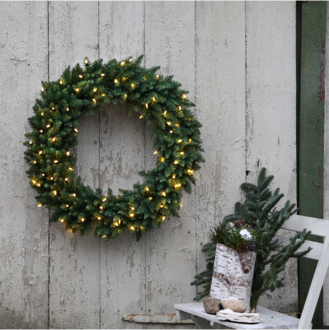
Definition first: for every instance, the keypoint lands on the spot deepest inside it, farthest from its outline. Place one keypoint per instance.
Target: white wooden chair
(268, 318)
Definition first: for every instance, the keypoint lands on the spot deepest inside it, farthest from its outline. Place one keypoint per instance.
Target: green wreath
(54, 131)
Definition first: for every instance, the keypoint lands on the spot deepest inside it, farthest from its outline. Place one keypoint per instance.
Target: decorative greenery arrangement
(54, 131)
(260, 213)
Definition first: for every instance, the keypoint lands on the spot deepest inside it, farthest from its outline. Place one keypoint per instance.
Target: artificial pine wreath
(54, 132)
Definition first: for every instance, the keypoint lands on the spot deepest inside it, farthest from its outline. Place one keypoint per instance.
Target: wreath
(54, 132)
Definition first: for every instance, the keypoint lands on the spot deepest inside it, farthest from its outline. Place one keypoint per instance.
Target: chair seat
(268, 319)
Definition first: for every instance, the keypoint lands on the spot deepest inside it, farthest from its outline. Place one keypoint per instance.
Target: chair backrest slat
(313, 254)
(318, 227)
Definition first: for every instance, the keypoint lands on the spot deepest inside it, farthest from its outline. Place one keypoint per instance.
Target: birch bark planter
(233, 274)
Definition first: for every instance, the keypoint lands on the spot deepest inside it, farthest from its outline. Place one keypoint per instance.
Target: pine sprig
(81, 91)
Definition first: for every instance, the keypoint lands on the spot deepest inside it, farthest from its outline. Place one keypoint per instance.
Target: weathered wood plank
(74, 260)
(313, 27)
(170, 250)
(220, 99)
(271, 114)
(24, 227)
(121, 158)
(326, 170)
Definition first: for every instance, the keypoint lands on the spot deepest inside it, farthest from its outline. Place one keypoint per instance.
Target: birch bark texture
(233, 274)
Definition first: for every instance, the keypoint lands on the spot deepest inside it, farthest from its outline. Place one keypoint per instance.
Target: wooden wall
(237, 59)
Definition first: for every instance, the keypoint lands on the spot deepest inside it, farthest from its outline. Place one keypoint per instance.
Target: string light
(43, 174)
(132, 228)
(162, 159)
(76, 130)
(67, 153)
(189, 140)
(33, 181)
(165, 113)
(116, 81)
(38, 184)
(163, 193)
(171, 132)
(104, 199)
(180, 108)
(67, 109)
(51, 178)
(99, 218)
(123, 63)
(184, 96)
(174, 176)
(94, 100)
(190, 172)
(67, 205)
(48, 126)
(80, 76)
(133, 85)
(60, 82)
(66, 179)
(150, 198)
(95, 89)
(101, 207)
(146, 106)
(157, 76)
(147, 188)
(153, 98)
(178, 185)
(125, 96)
(182, 153)
(103, 95)
(102, 74)
(155, 152)
(40, 152)
(130, 60)
(161, 206)
(42, 113)
(34, 162)
(163, 218)
(52, 108)
(77, 90)
(169, 123)
(55, 192)
(141, 117)
(131, 215)
(70, 168)
(41, 131)
(31, 142)
(117, 223)
(104, 236)
(133, 208)
(86, 60)
(177, 125)
(61, 220)
(82, 219)
(179, 141)
(42, 89)
(55, 161)
(176, 162)
(74, 195)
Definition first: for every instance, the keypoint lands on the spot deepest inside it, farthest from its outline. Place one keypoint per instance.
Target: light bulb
(171, 132)
(61, 220)
(80, 76)
(177, 125)
(116, 81)
(125, 96)
(43, 174)
(51, 178)
(66, 179)
(77, 90)
(155, 152)
(153, 98)
(169, 123)
(176, 162)
(180, 108)
(102, 74)
(161, 206)
(74, 195)
(70, 168)
(60, 82)
(163, 193)
(147, 188)
(103, 95)
(67, 153)
(52, 108)
(133, 208)
(174, 176)
(67, 205)
(165, 113)
(82, 219)
(190, 172)
(33, 181)
(95, 89)
(182, 153)
(76, 130)
(86, 60)
(157, 76)
(163, 218)
(55, 192)
(31, 142)
(179, 141)
(184, 96)
(104, 199)
(133, 85)
(48, 126)
(39, 185)
(41, 131)
(104, 236)
(131, 215)
(34, 162)
(55, 161)
(132, 228)
(146, 106)
(141, 117)
(123, 63)
(99, 218)
(67, 109)
(94, 100)
(101, 207)
(40, 152)
(150, 198)
(130, 60)
(162, 159)
(42, 113)
(189, 140)
(42, 89)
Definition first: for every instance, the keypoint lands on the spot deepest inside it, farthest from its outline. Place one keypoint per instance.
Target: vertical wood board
(311, 143)
(74, 260)
(24, 227)
(121, 158)
(170, 249)
(271, 115)
(220, 100)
